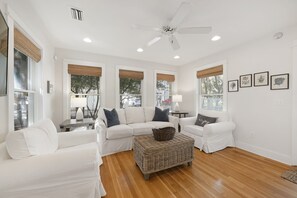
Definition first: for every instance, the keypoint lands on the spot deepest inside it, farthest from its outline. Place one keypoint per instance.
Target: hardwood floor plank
(228, 173)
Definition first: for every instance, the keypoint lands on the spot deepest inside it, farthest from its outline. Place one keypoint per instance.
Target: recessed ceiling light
(87, 40)
(176, 57)
(216, 38)
(139, 50)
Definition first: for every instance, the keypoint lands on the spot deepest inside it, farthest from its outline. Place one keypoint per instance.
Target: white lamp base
(176, 107)
(79, 115)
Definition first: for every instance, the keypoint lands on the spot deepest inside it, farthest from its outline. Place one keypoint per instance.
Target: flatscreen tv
(3, 55)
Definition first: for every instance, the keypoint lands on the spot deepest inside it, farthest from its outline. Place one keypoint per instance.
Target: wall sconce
(50, 87)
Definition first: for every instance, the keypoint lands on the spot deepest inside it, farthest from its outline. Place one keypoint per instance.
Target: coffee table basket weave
(164, 134)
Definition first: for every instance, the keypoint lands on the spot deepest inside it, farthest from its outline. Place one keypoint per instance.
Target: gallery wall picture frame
(233, 86)
(279, 81)
(245, 80)
(261, 79)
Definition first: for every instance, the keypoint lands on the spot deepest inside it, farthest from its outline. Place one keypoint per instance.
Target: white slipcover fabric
(141, 128)
(135, 115)
(72, 171)
(158, 125)
(149, 113)
(119, 131)
(211, 137)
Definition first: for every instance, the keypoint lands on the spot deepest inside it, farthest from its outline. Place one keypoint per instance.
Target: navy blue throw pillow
(112, 117)
(161, 115)
(203, 120)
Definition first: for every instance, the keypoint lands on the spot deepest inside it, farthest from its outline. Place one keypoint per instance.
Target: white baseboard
(286, 159)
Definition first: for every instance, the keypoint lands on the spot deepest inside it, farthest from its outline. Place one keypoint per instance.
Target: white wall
(110, 63)
(262, 116)
(18, 14)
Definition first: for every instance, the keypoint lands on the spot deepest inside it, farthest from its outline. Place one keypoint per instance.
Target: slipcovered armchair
(211, 137)
(63, 165)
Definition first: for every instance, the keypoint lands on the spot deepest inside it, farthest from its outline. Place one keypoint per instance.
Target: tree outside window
(164, 94)
(89, 87)
(211, 93)
(130, 92)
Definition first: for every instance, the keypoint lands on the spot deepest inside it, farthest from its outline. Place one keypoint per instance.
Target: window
(130, 88)
(211, 88)
(85, 82)
(23, 90)
(164, 89)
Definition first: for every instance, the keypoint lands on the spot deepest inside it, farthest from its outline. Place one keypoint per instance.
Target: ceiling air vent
(76, 14)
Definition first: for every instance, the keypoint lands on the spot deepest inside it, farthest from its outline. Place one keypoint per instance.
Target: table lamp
(79, 102)
(177, 99)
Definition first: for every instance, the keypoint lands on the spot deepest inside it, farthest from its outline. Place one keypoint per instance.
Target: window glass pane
(21, 71)
(212, 85)
(23, 109)
(164, 94)
(211, 93)
(89, 87)
(130, 92)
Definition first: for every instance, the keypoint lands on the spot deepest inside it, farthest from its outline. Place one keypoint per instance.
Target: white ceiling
(108, 24)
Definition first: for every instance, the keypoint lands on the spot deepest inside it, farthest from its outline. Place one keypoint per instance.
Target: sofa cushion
(161, 115)
(135, 115)
(158, 125)
(149, 113)
(121, 115)
(222, 116)
(119, 131)
(112, 117)
(28, 142)
(141, 128)
(48, 126)
(203, 120)
(194, 129)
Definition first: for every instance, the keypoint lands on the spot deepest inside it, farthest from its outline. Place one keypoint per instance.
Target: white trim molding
(225, 83)
(66, 83)
(294, 103)
(143, 84)
(175, 84)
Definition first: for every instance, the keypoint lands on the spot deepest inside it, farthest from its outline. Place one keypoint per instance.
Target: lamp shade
(177, 98)
(78, 102)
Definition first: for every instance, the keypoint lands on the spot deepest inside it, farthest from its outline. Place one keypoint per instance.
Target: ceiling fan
(173, 27)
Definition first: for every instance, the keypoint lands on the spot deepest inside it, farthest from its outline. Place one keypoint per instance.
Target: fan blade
(154, 40)
(145, 28)
(195, 30)
(180, 15)
(173, 42)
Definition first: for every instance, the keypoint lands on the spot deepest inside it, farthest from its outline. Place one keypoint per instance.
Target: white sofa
(211, 137)
(133, 121)
(72, 170)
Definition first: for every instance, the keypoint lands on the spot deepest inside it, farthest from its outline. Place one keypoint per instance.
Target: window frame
(143, 83)
(174, 84)
(67, 83)
(197, 100)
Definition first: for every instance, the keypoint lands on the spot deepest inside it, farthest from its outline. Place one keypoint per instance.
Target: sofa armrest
(175, 121)
(101, 129)
(186, 121)
(218, 128)
(68, 139)
(47, 170)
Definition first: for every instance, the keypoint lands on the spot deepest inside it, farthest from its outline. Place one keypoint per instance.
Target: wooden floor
(228, 173)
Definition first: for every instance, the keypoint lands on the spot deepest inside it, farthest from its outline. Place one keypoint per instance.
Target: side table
(180, 114)
(73, 123)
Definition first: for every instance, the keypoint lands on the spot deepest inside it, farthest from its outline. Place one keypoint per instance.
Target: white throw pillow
(149, 113)
(135, 115)
(28, 142)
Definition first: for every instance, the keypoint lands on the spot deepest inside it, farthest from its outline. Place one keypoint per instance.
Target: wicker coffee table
(152, 156)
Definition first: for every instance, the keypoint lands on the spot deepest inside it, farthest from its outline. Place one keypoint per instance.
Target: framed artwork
(279, 81)
(261, 79)
(232, 85)
(245, 80)
(3, 55)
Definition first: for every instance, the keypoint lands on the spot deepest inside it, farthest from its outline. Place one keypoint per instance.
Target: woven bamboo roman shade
(214, 71)
(27, 47)
(166, 77)
(82, 70)
(131, 74)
